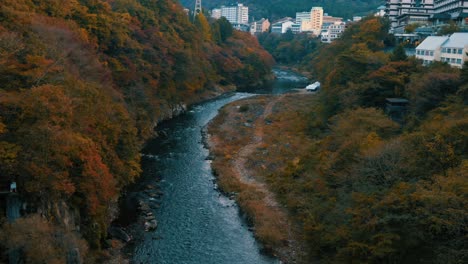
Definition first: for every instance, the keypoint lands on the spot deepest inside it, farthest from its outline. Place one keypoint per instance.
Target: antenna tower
(198, 8)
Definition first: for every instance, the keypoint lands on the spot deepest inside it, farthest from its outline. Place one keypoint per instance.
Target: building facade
(429, 50)
(259, 26)
(216, 13)
(332, 31)
(236, 14)
(456, 10)
(404, 12)
(452, 50)
(316, 20)
(282, 26)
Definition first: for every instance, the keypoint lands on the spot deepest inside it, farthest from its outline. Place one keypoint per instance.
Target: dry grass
(262, 135)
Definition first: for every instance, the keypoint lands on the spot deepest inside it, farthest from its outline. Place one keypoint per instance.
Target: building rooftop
(432, 43)
(397, 100)
(457, 40)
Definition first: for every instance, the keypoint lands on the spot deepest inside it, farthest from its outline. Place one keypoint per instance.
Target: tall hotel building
(454, 8)
(236, 14)
(404, 12)
(310, 21)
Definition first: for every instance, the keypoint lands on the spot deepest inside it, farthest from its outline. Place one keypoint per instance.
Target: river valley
(196, 223)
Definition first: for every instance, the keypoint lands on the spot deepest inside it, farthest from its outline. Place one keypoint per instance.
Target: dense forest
(373, 187)
(275, 9)
(82, 85)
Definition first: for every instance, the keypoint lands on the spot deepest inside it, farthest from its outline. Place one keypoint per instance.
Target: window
(427, 53)
(460, 51)
(432, 53)
(449, 50)
(417, 52)
(444, 50)
(459, 61)
(452, 60)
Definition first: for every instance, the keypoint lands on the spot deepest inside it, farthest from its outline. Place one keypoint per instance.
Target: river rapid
(196, 223)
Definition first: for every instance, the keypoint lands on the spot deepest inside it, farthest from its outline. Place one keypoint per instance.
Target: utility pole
(198, 8)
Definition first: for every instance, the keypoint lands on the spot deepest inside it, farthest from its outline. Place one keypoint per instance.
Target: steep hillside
(274, 9)
(82, 84)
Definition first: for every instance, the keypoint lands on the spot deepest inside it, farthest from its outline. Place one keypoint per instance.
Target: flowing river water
(196, 223)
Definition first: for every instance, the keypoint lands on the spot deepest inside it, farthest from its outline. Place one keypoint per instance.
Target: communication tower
(198, 8)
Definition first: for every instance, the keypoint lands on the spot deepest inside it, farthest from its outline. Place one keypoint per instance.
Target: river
(196, 223)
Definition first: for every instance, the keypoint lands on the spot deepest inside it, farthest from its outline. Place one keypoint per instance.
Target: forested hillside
(381, 191)
(82, 85)
(362, 184)
(275, 9)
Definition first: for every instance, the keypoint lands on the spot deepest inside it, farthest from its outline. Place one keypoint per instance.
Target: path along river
(196, 223)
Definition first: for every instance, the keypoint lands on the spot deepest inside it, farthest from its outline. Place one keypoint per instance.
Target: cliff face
(82, 85)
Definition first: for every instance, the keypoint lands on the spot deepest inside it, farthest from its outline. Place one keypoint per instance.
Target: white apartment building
(236, 14)
(332, 31)
(453, 49)
(429, 50)
(282, 26)
(216, 13)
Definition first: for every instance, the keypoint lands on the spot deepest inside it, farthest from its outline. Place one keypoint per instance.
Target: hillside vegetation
(82, 85)
(359, 186)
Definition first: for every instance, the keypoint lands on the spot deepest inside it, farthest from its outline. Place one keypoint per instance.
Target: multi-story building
(452, 50)
(309, 21)
(282, 25)
(404, 12)
(216, 13)
(302, 16)
(455, 10)
(316, 19)
(332, 31)
(455, 50)
(259, 26)
(236, 14)
(429, 50)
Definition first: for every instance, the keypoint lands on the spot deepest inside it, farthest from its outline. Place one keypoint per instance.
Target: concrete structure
(404, 12)
(429, 50)
(453, 49)
(331, 20)
(216, 13)
(309, 21)
(260, 26)
(380, 11)
(316, 20)
(236, 14)
(332, 31)
(296, 28)
(282, 25)
(457, 10)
